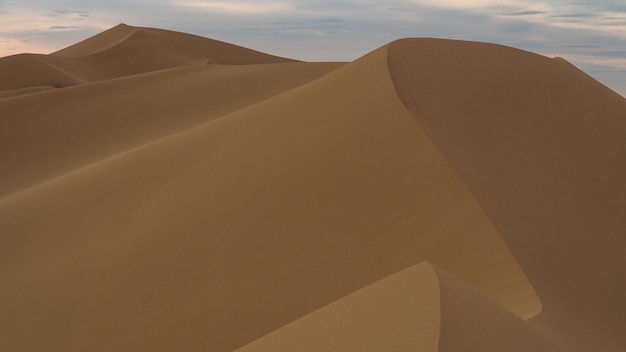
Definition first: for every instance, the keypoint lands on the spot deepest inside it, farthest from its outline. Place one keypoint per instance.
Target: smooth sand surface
(542, 147)
(21, 91)
(23, 71)
(227, 199)
(398, 313)
(307, 196)
(93, 121)
(421, 308)
(472, 322)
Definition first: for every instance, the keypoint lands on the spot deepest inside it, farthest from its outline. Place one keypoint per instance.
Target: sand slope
(255, 204)
(95, 121)
(541, 145)
(253, 219)
(398, 313)
(418, 309)
(472, 322)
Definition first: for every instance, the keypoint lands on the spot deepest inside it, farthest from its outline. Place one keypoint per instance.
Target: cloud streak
(63, 27)
(240, 7)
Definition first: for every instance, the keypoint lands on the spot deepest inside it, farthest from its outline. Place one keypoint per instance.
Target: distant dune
(162, 191)
(122, 51)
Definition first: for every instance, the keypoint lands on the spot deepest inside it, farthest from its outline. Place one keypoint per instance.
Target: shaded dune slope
(216, 236)
(472, 322)
(541, 146)
(122, 51)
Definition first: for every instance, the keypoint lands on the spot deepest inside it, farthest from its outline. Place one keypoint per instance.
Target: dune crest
(99, 42)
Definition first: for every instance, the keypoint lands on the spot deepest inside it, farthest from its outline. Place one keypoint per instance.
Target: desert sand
(162, 191)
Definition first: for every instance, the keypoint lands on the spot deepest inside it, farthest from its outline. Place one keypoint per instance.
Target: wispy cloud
(31, 29)
(525, 13)
(63, 27)
(240, 7)
(72, 12)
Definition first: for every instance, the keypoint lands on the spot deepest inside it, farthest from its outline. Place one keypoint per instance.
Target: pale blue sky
(591, 34)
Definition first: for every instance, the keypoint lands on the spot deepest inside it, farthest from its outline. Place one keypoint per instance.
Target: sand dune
(123, 51)
(322, 186)
(213, 51)
(541, 145)
(256, 204)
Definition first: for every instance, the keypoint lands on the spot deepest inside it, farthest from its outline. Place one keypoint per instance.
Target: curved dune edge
(401, 312)
(22, 91)
(421, 308)
(218, 235)
(98, 42)
(540, 145)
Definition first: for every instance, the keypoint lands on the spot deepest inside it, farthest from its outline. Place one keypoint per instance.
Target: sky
(590, 34)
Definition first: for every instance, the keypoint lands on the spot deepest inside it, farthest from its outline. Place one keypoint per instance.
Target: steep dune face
(216, 236)
(541, 145)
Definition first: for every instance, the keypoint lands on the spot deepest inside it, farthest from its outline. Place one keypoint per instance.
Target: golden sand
(162, 191)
